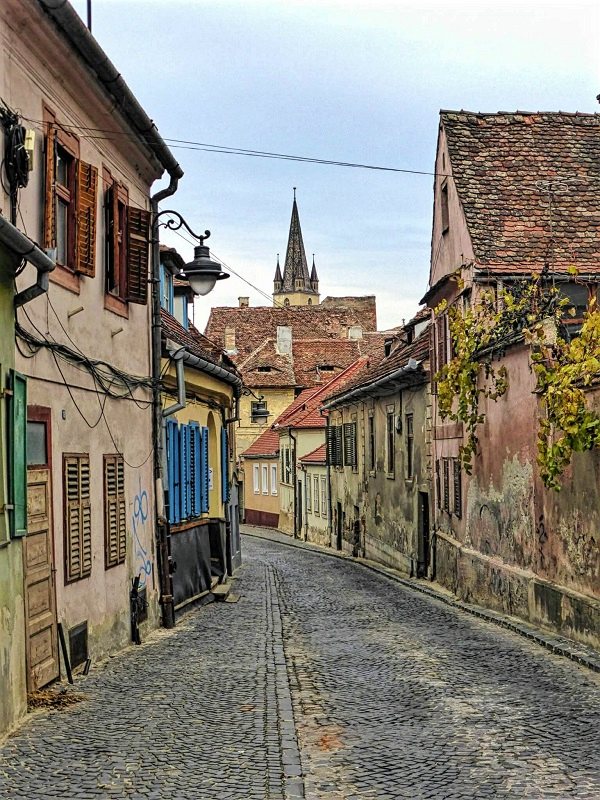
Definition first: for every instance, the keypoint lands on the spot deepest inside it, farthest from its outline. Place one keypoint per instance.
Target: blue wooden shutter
(185, 469)
(224, 464)
(204, 470)
(173, 469)
(18, 455)
(195, 469)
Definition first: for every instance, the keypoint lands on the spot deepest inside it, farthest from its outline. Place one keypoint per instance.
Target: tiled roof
(305, 412)
(311, 354)
(267, 444)
(528, 183)
(195, 342)
(417, 350)
(281, 372)
(254, 324)
(317, 456)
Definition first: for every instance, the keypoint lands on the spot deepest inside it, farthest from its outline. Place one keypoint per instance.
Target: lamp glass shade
(202, 284)
(203, 272)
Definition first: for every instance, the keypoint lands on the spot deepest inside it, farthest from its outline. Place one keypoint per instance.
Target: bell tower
(295, 287)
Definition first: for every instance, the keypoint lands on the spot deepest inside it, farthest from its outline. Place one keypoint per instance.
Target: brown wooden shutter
(87, 187)
(457, 487)
(49, 198)
(78, 524)
(114, 511)
(138, 240)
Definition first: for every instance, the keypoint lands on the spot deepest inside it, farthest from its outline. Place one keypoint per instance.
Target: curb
(558, 645)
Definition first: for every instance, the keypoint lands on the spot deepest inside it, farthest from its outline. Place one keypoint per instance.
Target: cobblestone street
(324, 681)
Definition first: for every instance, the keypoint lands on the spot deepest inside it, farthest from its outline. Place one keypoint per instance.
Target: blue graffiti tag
(139, 517)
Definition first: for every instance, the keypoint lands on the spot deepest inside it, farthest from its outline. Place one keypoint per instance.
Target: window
(456, 474)
(188, 470)
(264, 369)
(372, 456)
(166, 290)
(335, 454)
(438, 489)
(78, 518)
(16, 428)
(391, 442)
(444, 207)
(441, 333)
(265, 479)
(446, 478)
(274, 479)
(127, 235)
(256, 478)
(115, 525)
(409, 445)
(316, 493)
(69, 203)
(287, 465)
(308, 493)
(323, 497)
(350, 459)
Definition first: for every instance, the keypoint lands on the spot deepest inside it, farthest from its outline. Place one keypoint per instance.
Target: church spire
(296, 283)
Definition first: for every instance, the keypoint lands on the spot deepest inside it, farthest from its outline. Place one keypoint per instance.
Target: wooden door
(38, 556)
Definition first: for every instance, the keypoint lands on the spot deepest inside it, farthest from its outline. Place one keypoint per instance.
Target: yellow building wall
(264, 504)
(296, 299)
(246, 431)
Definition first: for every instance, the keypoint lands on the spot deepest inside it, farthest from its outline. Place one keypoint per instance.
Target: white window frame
(256, 478)
(265, 478)
(323, 496)
(309, 492)
(316, 494)
(274, 479)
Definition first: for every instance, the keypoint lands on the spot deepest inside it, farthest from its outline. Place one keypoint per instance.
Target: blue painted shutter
(195, 468)
(224, 464)
(18, 455)
(185, 471)
(173, 470)
(204, 470)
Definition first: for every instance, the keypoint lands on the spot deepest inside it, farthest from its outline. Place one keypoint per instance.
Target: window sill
(391, 476)
(66, 278)
(117, 305)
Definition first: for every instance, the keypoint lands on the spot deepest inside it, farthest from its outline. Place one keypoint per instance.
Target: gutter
(88, 49)
(213, 369)
(362, 391)
(24, 248)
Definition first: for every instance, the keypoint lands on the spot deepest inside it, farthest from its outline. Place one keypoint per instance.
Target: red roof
(317, 456)
(266, 445)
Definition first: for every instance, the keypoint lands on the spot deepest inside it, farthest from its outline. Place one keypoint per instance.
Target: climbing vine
(527, 310)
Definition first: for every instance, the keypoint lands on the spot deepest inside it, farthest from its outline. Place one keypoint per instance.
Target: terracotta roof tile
(195, 342)
(317, 456)
(528, 183)
(267, 444)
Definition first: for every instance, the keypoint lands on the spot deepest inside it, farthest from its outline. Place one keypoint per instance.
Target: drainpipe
(293, 438)
(328, 470)
(24, 248)
(163, 537)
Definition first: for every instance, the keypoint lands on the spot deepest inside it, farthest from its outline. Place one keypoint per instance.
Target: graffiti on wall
(139, 518)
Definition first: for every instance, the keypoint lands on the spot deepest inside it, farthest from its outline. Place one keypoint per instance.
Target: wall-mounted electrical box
(30, 147)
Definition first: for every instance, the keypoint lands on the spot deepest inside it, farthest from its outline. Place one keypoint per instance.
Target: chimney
(284, 340)
(230, 340)
(244, 302)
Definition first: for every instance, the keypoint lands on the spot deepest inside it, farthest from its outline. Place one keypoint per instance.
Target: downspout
(24, 248)
(295, 495)
(328, 469)
(163, 535)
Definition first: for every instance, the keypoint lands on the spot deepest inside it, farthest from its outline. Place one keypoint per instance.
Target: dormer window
(299, 283)
(326, 368)
(264, 369)
(166, 289)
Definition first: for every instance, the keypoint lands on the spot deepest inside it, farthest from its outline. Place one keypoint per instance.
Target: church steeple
(296, 285)
(314, 278)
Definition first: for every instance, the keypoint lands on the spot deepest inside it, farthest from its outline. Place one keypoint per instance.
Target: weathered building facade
(201, 388)
(378, 443)
(502, 538)
(83, 347)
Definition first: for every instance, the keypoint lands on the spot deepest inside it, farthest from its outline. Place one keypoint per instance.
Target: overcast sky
(357, 81)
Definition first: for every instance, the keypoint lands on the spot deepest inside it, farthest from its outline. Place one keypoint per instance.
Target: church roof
(295, 267)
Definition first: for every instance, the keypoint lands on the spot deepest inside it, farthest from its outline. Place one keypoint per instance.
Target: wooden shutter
(87, 187)
(446, 476)
(78, 525)
(138, 240)
(438, 488)
(195, 478)
(18, 455)
(338, 447)
(440, 331)
(173, 470)
(115, 526)
(350, 444)
(185, 468)
(330, 445)
(457, 487)
(224, 467)
(49, 187)
(204, 466)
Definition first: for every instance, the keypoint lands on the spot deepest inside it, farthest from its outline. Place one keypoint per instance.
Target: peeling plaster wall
(521, 548)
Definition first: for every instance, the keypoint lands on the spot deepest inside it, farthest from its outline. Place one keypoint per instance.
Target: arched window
(310, 301)
(286, 302)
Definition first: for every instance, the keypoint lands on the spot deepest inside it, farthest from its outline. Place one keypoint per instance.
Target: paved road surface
(325, 681)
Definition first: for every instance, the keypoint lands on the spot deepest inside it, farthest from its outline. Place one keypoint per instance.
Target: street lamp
(202, 272)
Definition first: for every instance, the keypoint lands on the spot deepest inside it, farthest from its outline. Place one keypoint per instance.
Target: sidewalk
(585, 656)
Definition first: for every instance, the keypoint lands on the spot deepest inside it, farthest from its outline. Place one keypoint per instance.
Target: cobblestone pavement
(325, 681)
